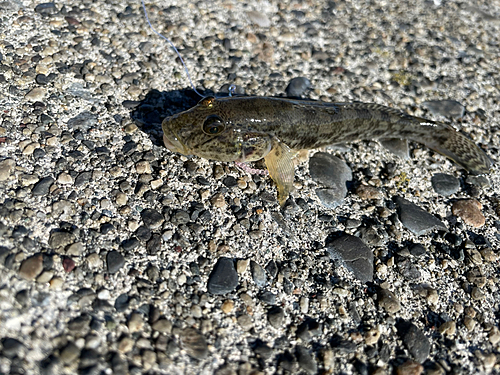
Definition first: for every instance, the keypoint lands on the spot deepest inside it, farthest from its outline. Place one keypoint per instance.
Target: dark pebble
(115, 261)
(306, 360)
(272, 269)
(414, 339)
(297, 87)
(22, 297)
(79, 324)
(268, 298)
(107, 228)
(151, 218)
(130, 244)
(13, 348)
(42, 187)
(417, 220)
(417, 250)
(445, 184)
(46, 8)
(122, 302)
(83, 178)
(275, 316)
(332, 172)
(230, 181)
(154, 244)
(68, 264)
(408, 269)
(143, 233)
(448, 108)
(223, 279)
(82, 121)
(262, 350)
(42, 79)
(194, 343)
(129, 148)
(38, 153)
(60, 239)
(354, 254)
(258, 274)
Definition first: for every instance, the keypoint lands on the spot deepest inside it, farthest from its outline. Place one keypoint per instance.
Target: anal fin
(281, 168)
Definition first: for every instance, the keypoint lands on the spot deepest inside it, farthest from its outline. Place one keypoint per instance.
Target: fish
(250, 128)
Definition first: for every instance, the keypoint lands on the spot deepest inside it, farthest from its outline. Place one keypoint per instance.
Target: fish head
(207, 130)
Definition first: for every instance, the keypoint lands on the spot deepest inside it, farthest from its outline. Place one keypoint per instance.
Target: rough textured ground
(117, 256)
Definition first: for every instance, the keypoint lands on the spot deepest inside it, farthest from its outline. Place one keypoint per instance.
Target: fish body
(244, 129)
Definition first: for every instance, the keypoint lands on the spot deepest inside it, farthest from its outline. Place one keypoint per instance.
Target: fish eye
(213, 125)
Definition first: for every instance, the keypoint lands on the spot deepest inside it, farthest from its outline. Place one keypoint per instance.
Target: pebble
(6, 168)
(223, 279)
(366, 192)
(447, 108)
(448, 328)
(36, 95)
(297, 87)
(12, 347)
(410, 368)
(258, 18)
(445, 184)
(417, 220)
(152, 218)
(135, 322)
(65, 179)
(398, 147)
(388, 301)
(469, 210)
(227, 307)
(414, 339)
(194, 343)
(258, 274)
(31, 267)
(354, 254)
(163, 326)
(245, 322)
(115, 261)
(83, 121)
(60, 239)
(42, 187)
(69, 353)
(332, 172)
(46, 8)
(306, 360)
(276, 316)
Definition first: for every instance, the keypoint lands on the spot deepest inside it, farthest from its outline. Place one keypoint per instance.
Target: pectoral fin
(398, 147)
(281, 168)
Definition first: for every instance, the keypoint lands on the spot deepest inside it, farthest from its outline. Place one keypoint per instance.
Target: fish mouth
(173, 144)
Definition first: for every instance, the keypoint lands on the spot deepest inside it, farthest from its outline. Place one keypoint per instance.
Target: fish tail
(456, 146)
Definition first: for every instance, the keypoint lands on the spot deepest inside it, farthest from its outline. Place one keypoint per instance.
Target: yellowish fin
(281, 168)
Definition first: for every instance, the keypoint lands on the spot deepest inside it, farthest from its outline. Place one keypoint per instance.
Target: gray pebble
(417, 250)
(445, 184)
(130, 244)
(258, 18)
(46, 8)
(83, 178)
(388, 301)
(82, 121)
(115, 261)
(42, 187)
(333, 173)
(223, 279)
(297, 87)
(306, 360)
(268, 298)
(417, 220)
(60, 239)
(13, 348)
(448, 108)
(194, 343)
(275, 316)
(354, 254)
(152, 218)
(69, 354)
(258, 274)
(31, 267)
(398, 147)
(414, 339)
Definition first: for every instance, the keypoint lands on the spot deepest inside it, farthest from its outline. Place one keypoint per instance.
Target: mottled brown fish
(246, 129)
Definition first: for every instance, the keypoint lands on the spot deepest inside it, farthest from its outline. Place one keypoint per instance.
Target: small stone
(69, 354)
(242, 265)
(275, 316)
(31, 267)
(223, 279)
(68, 264)
(60, 239)
(126, 345)
(448, 328)
(410, 368)
(417, 220)
(46, 9)
(227, 307)
(43, 186)
(163, 326)
(135, 322)
(306, 360)
(36, 95)
(354, 254)
(83, 121)
(372, 336)
(297, 87)
(6, 167)
(258, 18)
(115, 261)
(470, 323)
(445, 184)
(366, 192)
(332, 172)
(143, 167)
(417, 343)
(494, 336)
(469, 210)
(245, 322)
(258, 274)
(75, 249)
(477, 294)
(398, 147)
(65, 179)
(218, 201)
(388, 301)
(194, 343)
(152, 218)
(447, 108)
(13, 348)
